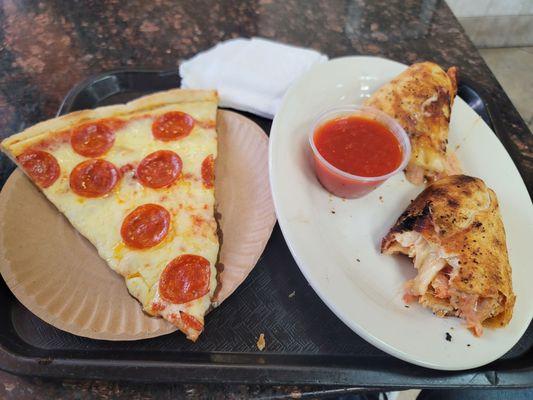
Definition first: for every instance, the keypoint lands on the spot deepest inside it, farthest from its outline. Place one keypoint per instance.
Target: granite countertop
(46, 47)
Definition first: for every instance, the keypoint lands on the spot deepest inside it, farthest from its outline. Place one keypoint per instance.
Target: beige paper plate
(57, 274)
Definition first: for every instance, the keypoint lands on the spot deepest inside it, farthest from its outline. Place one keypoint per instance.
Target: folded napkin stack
(249, 74)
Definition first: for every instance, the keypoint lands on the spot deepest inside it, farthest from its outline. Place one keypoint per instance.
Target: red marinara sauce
(359, 146)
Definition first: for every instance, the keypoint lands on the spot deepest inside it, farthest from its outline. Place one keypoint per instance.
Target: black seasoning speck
(358, 260)
(406, 306)
(333, 211)
(468, 345)
(448, 337)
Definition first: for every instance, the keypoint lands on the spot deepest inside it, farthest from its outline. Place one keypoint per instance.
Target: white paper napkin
(249, 74)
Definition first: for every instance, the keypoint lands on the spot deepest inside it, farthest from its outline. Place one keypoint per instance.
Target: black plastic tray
(306, 343)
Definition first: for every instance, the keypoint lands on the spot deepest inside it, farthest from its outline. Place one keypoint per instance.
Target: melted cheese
(428, 260)
(100, 219)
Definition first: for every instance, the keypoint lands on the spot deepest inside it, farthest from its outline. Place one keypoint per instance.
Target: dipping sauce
(359, 146)
(356, 151)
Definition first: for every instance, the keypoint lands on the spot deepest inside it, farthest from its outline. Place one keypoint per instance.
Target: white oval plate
(336, 242)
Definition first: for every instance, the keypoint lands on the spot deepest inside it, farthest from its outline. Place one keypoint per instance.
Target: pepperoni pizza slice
(137, 180)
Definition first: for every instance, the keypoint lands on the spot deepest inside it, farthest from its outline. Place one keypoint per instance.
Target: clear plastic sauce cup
(344, 184)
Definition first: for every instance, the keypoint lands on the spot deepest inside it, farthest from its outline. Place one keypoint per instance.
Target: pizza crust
(47, 129)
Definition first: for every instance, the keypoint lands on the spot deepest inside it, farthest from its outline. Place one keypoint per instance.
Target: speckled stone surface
(46, 47)
(17, 388)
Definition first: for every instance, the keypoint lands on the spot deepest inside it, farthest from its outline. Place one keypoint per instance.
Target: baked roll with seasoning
(454, 233)
(421, 100)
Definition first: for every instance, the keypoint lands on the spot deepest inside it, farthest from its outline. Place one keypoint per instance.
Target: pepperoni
(94, 139)
(41, 167)
(158, 307)
(185, 278)
(159, 169)
(146, 226)
(208, 171)
(172, 125)
(93, 178)
(191, 322)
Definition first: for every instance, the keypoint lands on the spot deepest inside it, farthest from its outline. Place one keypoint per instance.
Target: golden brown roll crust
(421, 100)
(460, 214)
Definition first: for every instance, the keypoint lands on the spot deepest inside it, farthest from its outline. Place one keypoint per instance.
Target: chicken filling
(417, 174)
(436, 270)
